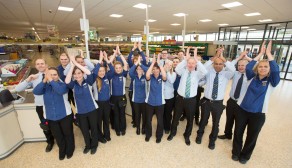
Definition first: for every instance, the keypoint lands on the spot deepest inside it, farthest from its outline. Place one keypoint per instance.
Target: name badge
(159, 80)
(121, 78)
(85, 85)
(264, 83)
(106, 81)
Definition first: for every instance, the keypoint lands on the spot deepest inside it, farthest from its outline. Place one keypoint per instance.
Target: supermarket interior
(47, 28)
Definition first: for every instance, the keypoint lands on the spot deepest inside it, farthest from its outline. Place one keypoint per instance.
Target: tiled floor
(274, 146)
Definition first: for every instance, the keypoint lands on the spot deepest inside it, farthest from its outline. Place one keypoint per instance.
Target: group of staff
(160, 86)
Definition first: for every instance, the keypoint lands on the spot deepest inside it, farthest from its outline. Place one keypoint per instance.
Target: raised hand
(154, 58)
(135, 46)
(118, 50)
(81, 53)
(269, 51)
(32, 77)
(158, 58)
(263, 48)
(100, 56)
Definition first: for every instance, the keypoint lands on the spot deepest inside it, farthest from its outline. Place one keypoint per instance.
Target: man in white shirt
(32, 81)
(216, 81)
(239, 85)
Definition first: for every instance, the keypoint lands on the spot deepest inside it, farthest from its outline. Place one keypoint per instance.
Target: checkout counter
(19, 123)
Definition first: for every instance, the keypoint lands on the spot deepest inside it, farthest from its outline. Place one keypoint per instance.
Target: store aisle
(273, 148)
(51, 60)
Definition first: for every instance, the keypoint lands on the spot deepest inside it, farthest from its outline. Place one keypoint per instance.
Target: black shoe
(224, 137)
(118, 133)
(61, 157)
(93, 150)
(134, 125)
(167, 131)
(49, 147)
(211, 145)
(86, 150)
(138, 131)
(123, 133)
(170, 137)
(242, 160)
(69, 156)
(197, 121)
(102, 140)
(198, 140)
(143, 131)
(158, 140)
(187, 141)
(147, 139)
(108, 139)
(235, 158)
(182, 118)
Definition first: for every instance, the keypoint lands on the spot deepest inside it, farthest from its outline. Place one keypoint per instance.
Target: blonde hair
(98, 80)
(255, 68)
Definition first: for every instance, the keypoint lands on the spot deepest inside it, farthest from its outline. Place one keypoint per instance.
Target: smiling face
(241, 66)
(192, 64)
(64, 59)
(164, 54)
(139, 71)
(54, 75)
(218, 64)
(101, 72)
(40, 65)
(118, 68)
(78, 75)
(175, 62)
(263, 69)
(156, 71)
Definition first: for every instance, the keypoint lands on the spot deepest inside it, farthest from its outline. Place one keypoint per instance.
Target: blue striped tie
(215, 87)
(188, 86)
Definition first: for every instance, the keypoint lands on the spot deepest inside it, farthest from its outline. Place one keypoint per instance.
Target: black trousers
(168, 108)
(71, 97)
(140, 109)
(215, 108)
(103, 115)
(89, 120)
(48, 133)
(158, 110)
(231, 109)
(254, 123)
(63, 132)
(188, 105)
(119, 113)
(132, 105)
(198, 97)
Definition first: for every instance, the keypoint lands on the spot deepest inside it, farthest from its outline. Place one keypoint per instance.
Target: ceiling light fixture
(231, 4)
(251, 29)
(141, 6)
(252, 14)
(223, 24)
(205, 20)
(175, 24)
(245, 27)
(180, 14)
(151, 20)
(136, 34)
(116, 15)
(62, 8)
(154, 33)
(33, 28)
(265, 20)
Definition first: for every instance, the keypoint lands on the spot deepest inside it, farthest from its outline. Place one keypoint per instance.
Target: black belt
(213, 101)
(186, 98)
(233, 99)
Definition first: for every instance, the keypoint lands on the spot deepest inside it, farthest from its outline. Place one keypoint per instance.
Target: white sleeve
(22, 86)
(201, 69)
(181, 67)
(89, 64)
(230, 70)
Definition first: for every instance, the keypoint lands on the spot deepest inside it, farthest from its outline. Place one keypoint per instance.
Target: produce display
(15, 80)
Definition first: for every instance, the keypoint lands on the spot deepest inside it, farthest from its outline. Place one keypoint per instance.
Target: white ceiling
(19, 16)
